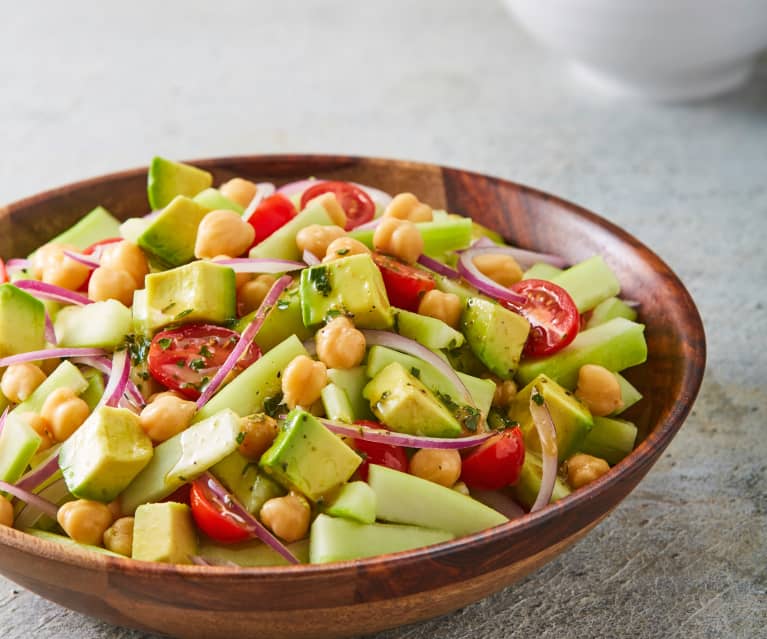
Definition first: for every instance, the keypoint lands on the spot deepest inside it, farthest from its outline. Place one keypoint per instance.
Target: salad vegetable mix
(252, 375)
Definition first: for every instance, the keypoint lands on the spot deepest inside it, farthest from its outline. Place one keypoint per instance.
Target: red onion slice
(377, 195)
(49, 353)
(104, 364)
(88, 260)
(50, 333)
(299, 186)
(369, 226)
(263, 190)
(19, 263)
(547, 433)
(383, 436)
(118, 380)
(411, 347)
(310, 258)
(260, 265)
(438, 267)
(52, 292)
(43, 505)
(523, 256)
(483, 283)
(234, 509)
(38, 475)
(382, 198)
(245, 339)
(2, 418)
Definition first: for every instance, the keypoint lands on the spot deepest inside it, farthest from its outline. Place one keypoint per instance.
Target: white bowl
(657, 49)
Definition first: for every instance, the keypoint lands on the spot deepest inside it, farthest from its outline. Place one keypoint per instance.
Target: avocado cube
(350, 286)
(104, 455)
(164, 533)
(527, 487)
(307, 457)
(245, 481)
(167, 179)
(171, 235)
(197, 292)
(571, 416)
(22, 321)
(495, 334)
(405, 405)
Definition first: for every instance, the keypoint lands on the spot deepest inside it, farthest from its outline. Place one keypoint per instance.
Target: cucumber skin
(589, 283)
(610, 439)
(616, 345)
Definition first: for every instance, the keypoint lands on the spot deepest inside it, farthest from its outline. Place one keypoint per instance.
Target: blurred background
(91, 87)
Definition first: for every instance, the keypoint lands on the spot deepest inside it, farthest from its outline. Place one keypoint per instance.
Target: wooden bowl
(365, 596)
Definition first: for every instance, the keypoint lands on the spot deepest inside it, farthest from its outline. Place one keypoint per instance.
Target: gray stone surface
(89, 88)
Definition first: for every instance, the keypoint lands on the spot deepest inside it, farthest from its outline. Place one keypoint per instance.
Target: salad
(252, 375)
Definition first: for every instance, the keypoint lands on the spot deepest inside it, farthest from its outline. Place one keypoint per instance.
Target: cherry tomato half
(375, 453)
(274, 212)
(553, 316)
(3, 272)
(405, 284)
(357, 204)
(211, 519)
(185, 358)
(496, 463)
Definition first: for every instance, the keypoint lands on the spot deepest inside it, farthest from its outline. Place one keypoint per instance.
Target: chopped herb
(332, 314)
(181, 363)
(164, 342)
(138, 347)
(273, 406)
(498, 421)
(415, 372)
(318, 276)
(240, 438)
(165, 309)
(283, 305)
(184, 313)
(447, 401)
(342, 251)
(205, 352)
(469, 416)
(537, 397)
(197, 364)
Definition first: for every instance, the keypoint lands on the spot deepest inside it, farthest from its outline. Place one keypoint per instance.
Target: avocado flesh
(337, 539)
(197, 292)
(495, 334)
(246, 482)
(572, 419)
(104, 454)
(167, 179)
(308, 458)
(350, 286)
(280, 323)
(171, 236)
(406, 499)
(22, 321)
(165, 533)
(616, 345)
(405, 405)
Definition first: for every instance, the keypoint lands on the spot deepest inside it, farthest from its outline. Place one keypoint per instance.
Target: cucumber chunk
(355, 500)
(589, 282)
(611, 439)
(98, 325)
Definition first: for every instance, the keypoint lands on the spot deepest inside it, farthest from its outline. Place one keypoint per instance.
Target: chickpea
(20, 380)
(53, 267)
(85, 521)
(239, 190)
(119, 536)
(165, 416)
(223, 232)
(49, 365)
(239, 278)
(116, 508)
(442, 306)
(302, 381)
(500, 268)
(333, 208)
(440, 466)
(41, 426)
(126, 256)
(316, 238)
(582, 469)
(109, 284)
(6, 512)
(599, 389)
(252, 293)
(339, 344)
(406, 206)
(400, 238)
(505, 392)
(344, 247)
(258, 432)
(287, 517)
(65, 412)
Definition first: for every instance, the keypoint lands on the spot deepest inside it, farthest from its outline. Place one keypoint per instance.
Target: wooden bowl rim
(655, 441)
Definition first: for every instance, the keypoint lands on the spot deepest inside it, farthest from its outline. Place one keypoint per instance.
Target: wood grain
(369, 595)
